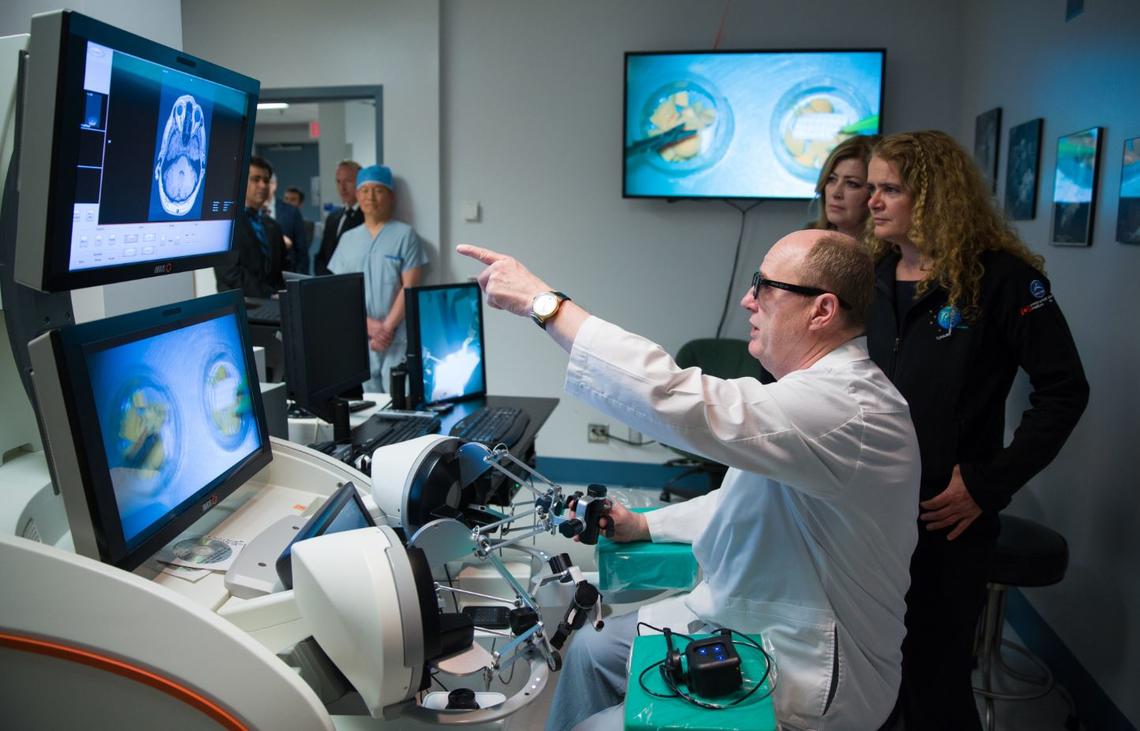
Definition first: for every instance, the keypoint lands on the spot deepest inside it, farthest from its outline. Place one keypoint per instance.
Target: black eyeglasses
(759, 281)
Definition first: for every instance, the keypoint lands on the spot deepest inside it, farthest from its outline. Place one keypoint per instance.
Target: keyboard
(378, 431)
(493, 426)
(263, 310)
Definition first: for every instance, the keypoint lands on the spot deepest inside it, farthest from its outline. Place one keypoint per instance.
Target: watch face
(545, 304)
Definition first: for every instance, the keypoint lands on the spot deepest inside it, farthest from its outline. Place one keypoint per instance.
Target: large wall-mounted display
(735, 124)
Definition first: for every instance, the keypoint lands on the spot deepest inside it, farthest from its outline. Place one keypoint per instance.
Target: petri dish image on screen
(146, 445)
(226, 400)
(697, 105)
(808, 123)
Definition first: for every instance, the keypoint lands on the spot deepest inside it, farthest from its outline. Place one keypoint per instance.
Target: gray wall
(394, 43)
(518, 105)
(1022, 56)
(532, 110)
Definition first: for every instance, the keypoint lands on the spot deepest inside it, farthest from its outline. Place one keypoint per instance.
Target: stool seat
(1028, 554)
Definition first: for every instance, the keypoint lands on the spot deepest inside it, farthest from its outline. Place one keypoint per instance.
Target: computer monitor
(445, 343)
(149, 420)
(133, 156)
(325, 343)
(343, 511)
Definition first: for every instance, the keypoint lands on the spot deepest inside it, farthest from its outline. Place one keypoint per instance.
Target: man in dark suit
(292, 228)
(295, 197)
(258, 255)
(343, 219)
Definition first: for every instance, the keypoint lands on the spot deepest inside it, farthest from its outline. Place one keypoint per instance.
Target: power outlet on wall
(598, 433)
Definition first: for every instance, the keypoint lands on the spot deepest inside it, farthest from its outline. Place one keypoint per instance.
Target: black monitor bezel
(414, 363)
(71, 344)
(299, 350)
(319, 524)
(66, 112)
(735, 52)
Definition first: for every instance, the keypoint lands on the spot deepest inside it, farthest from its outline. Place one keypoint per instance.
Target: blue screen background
(757, 89)
(450, 342)
(174, 413)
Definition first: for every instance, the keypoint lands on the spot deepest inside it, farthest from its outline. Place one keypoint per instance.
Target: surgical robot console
(373, 606)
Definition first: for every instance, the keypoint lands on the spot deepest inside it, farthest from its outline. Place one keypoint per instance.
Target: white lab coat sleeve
(683, 522)
(778, 430)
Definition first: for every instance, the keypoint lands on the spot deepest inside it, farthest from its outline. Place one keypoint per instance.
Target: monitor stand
(342, 433)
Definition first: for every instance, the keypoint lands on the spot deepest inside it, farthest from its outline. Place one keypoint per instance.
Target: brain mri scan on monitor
(181, 163)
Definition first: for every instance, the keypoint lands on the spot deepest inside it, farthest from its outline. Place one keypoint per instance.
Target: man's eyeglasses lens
(759, 281)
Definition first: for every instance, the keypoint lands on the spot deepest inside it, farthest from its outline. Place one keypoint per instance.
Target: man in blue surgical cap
(392, 257)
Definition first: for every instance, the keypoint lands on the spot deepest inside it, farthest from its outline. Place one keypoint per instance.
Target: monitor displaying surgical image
(175, 411)
(133, 157)
(445, 342)
(743, 124)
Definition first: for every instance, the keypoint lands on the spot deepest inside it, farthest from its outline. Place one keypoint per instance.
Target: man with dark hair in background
(343, 219)
(292, 229)
(258, 255)
(295, 197)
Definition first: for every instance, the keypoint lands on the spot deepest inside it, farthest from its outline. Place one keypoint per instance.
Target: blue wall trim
(607, 472)
(1094, 707)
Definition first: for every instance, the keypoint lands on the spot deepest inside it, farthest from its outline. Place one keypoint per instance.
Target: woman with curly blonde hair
(842, 187)
(961, 304)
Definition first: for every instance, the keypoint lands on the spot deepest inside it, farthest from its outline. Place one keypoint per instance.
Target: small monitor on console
(150, 419)
(133, 156)
(326, 350)
(445, 343)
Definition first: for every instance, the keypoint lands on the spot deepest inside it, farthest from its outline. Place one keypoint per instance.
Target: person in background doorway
(392, 257)
(254, 264)
(292, 229)
(343, 219)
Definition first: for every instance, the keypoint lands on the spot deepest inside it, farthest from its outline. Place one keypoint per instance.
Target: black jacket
(331, 237)
(247, 267)
(956, 379)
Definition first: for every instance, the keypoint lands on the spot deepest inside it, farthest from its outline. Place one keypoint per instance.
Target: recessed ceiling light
(262, 106)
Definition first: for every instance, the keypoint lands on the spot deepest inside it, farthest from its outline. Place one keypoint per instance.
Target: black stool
(1027, 554)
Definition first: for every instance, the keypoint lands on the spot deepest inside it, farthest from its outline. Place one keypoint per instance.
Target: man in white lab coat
(808, 541)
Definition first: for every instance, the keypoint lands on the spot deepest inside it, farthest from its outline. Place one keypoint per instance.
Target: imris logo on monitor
(166, 268)
(210, 502)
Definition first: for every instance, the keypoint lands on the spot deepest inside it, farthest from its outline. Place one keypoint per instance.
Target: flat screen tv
(149, 420)
(743, 124)
(133, 156)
